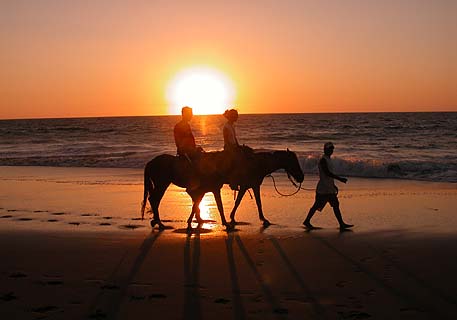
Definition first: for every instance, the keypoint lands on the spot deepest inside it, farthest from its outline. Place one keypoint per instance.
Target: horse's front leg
(196, 199)
(239, 197)
(220, 207)
(258, 201)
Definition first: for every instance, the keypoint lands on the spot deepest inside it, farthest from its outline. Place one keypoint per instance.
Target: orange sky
(109, 58)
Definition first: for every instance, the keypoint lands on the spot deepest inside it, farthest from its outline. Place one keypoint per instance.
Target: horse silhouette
(261, 165)
(209, 174)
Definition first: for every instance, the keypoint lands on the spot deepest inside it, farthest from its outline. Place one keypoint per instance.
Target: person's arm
(324, 166)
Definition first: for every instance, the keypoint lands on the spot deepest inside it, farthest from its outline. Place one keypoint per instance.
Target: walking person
(326, 190)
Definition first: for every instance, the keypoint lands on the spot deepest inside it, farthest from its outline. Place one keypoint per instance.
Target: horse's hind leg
(237, 203)
(196, 199)
(155, 197)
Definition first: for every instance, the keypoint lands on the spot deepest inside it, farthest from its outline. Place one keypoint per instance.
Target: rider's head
(231, 115)
(186, 113)
(328, 148)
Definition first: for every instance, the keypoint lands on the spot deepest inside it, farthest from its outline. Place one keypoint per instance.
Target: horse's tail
(148, 186)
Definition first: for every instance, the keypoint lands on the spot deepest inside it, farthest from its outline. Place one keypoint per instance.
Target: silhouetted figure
(184, 138)
(326, 190)
(186, 147)
(230, 140)
(232, 147)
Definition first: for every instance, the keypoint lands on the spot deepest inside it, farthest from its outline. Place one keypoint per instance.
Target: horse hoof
(189, 229)
(162, 227)
(153, 223)
(266, 223)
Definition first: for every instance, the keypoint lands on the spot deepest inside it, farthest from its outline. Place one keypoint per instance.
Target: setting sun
(206, 90)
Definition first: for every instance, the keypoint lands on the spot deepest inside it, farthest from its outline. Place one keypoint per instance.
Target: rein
(282, 194)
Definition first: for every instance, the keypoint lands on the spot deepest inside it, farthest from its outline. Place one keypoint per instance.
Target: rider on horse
(185, 144)
(237, 154)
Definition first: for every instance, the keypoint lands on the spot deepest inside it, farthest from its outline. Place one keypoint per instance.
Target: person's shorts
(322, 199)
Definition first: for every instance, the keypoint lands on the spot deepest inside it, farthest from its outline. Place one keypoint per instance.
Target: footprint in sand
(51, 282)
(58, 213)
(221, 300)
(156, 296)
(12, 210)
(74, 223)
(105, 224)
(8, 297)
(25, 219)
(107, 218)
(366, 259)
(98, 314)
(341, 284)
(6, 216)
(370, 292)
(44, 309)
(53, 220)
(38, 211)
(354, 314)
(137, 298)
(131, 226)
(17, 275)
(110, 287)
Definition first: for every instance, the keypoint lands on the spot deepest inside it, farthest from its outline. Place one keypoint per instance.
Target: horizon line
(216, 114)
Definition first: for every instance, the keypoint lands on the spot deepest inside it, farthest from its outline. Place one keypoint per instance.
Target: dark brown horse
(213, 170)
(259, 166)
(208, 174)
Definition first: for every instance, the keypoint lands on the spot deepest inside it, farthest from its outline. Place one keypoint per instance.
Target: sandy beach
(72, 246)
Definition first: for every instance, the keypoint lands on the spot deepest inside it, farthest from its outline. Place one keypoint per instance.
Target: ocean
(419, 146)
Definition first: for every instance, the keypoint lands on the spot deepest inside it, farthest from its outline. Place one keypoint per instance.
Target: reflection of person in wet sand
(326, 190)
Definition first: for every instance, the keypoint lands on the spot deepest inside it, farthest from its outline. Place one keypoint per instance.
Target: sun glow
(206, 90)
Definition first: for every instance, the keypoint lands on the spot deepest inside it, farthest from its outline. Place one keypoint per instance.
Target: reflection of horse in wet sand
(213, 171)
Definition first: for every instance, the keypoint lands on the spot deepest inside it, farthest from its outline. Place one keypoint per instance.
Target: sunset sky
(112, 58)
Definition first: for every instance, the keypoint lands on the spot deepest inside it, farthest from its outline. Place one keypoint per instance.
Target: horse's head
(289, 162)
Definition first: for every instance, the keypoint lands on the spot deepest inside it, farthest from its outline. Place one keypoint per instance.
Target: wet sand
(72, 247)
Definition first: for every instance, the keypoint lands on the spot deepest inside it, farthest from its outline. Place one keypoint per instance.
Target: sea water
(420, 146)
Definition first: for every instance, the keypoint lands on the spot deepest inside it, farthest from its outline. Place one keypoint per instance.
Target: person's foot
(308, 225)
(345, 226)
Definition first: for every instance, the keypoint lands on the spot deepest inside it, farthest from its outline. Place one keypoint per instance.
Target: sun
(206, 90)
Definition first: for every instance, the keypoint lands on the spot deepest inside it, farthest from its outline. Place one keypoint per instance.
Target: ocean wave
(350, 167)
(410, 169)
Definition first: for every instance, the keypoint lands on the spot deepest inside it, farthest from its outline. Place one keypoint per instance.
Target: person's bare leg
(307, 222)
(343, 225)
